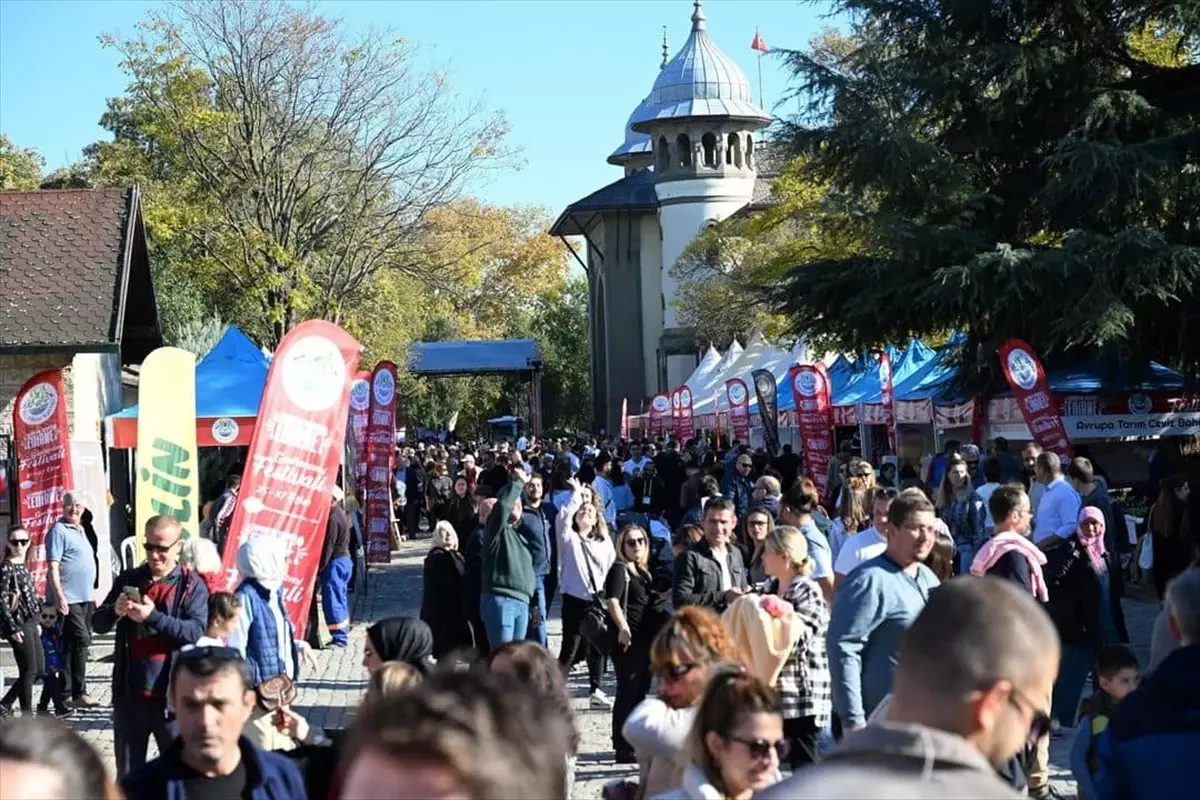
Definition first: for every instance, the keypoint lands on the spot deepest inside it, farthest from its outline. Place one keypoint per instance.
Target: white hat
(337, 493)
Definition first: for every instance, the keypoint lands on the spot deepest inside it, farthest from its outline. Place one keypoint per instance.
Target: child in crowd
(224, 610)
(52, 679)
(1118, 674)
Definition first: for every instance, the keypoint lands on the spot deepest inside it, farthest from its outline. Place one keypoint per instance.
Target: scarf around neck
(1003, 543)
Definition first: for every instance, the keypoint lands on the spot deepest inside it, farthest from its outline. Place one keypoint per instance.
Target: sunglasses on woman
(761, 748)
(18, 542)
(635, 542)
(676, 672)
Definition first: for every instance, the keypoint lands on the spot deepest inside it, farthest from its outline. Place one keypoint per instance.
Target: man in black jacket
(712, 573)
(537, 529)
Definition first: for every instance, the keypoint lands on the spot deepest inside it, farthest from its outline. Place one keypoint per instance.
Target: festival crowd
(899, 634)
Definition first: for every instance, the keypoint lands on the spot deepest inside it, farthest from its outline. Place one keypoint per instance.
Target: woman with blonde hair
(737, 740)
(587, 555)
(804, 682)
(682, 655)
(442, 592)
(390, 679)
(637, 611)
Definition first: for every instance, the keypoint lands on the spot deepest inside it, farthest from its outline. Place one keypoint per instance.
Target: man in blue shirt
(876, 605)
(71, 579)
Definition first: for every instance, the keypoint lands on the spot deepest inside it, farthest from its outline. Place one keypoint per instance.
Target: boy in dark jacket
(52, 650)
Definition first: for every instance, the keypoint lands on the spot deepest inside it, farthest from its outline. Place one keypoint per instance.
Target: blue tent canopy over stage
(474, 357)
(229, 386)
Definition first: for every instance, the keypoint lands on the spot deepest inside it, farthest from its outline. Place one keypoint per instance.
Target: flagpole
(761, 101)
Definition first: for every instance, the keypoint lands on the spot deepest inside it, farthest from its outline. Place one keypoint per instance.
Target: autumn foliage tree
(306, 160)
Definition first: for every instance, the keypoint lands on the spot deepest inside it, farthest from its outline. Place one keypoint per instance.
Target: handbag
(276, 692)
(597, 626)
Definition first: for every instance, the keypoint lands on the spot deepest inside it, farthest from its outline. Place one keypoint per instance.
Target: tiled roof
(65, 262)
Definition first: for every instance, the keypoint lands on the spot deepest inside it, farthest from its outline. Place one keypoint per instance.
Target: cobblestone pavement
(329, 695)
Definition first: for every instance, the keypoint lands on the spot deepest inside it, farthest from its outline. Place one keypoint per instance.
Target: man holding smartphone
(156, 608)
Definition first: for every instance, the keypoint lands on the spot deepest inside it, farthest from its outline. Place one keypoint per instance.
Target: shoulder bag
(597, 626)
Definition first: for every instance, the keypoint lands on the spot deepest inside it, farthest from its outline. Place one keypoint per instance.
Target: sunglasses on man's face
(1040, 724)
(160, 549)
(761, 748)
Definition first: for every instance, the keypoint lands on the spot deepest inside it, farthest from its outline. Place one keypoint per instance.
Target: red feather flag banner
(294, 455)
(759, 44)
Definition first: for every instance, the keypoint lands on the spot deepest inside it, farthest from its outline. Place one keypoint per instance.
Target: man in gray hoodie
(974, 671)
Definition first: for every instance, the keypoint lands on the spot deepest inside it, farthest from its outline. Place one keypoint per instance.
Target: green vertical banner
(168, 474)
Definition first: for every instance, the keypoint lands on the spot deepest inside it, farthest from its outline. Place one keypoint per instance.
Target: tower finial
(698, 18)
(666, 51)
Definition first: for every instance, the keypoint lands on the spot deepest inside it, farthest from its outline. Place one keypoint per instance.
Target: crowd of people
(925, 633)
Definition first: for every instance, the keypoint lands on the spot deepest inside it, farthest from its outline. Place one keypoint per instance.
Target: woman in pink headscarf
(1080, 604)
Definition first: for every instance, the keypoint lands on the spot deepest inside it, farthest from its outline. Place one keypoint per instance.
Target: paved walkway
(329, 695)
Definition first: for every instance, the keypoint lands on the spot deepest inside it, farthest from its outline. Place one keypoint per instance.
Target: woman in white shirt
(587, 554)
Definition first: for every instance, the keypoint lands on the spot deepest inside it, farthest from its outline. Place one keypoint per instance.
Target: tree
(20, 167)
(1009, 169)
(308, 160)
(726, 273)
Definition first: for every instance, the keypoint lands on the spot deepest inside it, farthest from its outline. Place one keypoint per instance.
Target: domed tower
(702, 121)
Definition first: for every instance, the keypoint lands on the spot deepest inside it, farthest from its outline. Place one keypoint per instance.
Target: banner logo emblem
(360, 394)
(225, 430)
(737, 393)
(685, 397)
(314, 374)
(661, 403)
(1140, 403)
(38, 404)
(808, 383)
(1022, 368)
(385, 387)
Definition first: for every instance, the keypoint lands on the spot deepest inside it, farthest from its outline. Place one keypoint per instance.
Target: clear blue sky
(567, 73)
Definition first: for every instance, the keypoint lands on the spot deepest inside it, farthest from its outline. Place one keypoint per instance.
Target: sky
(566, 73)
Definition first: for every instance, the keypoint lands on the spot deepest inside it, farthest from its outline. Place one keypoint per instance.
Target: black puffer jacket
(1075, 594)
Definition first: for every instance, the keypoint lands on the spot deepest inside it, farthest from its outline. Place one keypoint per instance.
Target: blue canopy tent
(229, 386)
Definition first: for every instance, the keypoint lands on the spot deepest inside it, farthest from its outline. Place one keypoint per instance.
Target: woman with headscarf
(404, 639)
(1079, 587)
(442, 593)
(264, 634)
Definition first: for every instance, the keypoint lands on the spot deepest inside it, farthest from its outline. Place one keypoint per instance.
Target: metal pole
(761, 101)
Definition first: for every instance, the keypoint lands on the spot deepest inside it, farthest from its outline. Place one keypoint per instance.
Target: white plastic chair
(128, 553)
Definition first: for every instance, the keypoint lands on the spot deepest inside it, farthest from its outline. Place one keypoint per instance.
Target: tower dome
(700, 81)
(637, 151)
(637, 147)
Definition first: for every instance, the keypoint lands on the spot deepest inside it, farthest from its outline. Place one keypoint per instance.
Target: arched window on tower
(733, 155)
(662, 155)
(709, 143)
(684, 145)
(749, 151)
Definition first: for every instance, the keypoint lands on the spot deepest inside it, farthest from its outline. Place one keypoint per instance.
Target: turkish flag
(759, 43)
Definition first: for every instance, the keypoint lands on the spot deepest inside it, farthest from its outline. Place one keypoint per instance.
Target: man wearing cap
(336, 568)
(71, 579)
